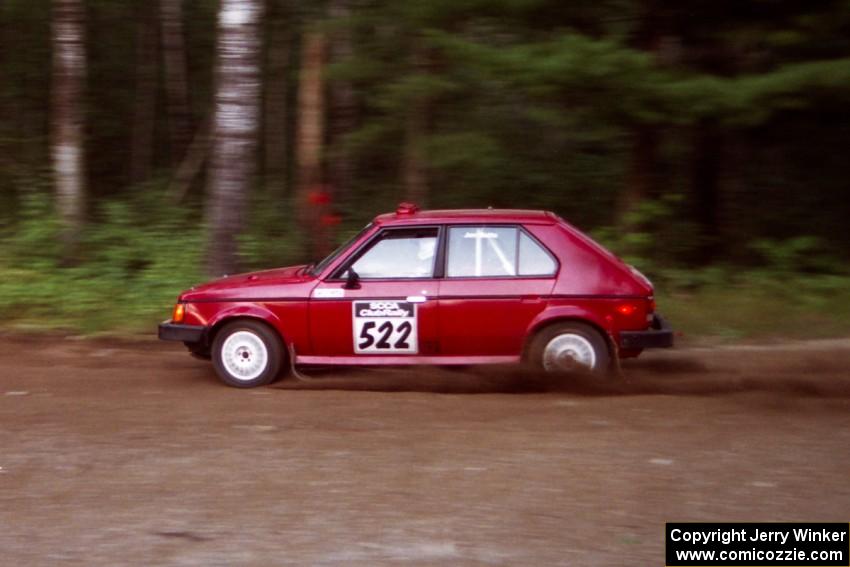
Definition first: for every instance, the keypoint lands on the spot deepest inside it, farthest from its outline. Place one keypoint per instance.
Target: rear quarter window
(496, 251)
(534, 260)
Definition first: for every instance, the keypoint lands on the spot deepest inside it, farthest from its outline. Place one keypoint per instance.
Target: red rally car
(429, 287)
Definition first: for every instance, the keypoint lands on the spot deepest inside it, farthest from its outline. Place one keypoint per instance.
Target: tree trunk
(343, 114)
(142, 134)
(192, 164)
(67, 148)
(642, 176)
(707, 156)
(312, 198)
(236, 119)
(735, 199)
(176, 84)
(275, 127)
(415, 174)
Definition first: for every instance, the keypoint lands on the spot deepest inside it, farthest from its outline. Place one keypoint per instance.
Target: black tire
(601, 354)
(247, 336)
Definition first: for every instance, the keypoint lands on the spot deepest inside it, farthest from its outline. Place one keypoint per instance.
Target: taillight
(178, 313)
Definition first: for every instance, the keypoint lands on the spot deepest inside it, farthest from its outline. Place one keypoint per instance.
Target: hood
(289, 282)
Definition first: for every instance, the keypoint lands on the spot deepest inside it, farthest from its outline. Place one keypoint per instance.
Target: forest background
(146, 146)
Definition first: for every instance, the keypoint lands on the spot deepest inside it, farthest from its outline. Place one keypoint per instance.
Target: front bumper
(659, 335)
(169, 331)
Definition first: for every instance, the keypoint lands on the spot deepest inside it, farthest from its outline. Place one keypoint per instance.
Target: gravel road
(131, 453)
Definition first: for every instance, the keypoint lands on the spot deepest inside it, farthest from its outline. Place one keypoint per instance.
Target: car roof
(407, 216)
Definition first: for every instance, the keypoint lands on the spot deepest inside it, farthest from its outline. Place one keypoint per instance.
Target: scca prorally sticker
(384, 326)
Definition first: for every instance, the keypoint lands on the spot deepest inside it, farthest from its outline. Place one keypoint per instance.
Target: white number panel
(385, 326)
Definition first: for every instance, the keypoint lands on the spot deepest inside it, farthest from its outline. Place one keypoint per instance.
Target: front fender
(249, 311)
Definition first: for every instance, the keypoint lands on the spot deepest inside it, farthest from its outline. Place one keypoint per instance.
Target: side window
(476, 251)
(407, 253)
(495, 251)
(533, 259)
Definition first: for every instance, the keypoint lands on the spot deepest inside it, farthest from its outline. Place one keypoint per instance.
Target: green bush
(133, 261)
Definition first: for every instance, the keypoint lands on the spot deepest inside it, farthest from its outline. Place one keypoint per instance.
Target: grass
(757, 308)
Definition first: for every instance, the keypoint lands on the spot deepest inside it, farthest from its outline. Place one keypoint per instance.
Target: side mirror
(352, 280)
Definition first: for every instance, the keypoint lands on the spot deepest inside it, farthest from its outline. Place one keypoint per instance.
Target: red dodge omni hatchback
(429, 287)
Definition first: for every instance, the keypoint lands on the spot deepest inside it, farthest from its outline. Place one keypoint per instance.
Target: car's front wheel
(570, 347)
(247, 354)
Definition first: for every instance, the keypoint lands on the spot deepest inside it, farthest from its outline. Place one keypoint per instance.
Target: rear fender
(572, 313)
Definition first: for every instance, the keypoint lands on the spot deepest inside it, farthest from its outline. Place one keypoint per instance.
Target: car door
(392, 308)
(497, 279)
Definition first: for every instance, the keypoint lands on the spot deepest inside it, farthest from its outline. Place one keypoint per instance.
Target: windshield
(319, 268)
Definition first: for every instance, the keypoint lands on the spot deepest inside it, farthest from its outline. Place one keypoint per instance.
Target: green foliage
(793, 288)
(800, 255)
(655, 236)
(524, 103)
(139, 252)
(798, 291)
(270, 238)
(133, 263)
(741, 305)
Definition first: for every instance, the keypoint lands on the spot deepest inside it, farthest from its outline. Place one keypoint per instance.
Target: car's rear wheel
(570, 347)
(247, 354)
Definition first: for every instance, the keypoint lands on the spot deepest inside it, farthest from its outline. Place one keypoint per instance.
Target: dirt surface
(119, 453)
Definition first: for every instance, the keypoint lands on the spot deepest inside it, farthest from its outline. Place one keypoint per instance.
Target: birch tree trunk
(67, 149)
(176, 84)
(311, 198)
(142, 134)
(275, 109)
(235, 129)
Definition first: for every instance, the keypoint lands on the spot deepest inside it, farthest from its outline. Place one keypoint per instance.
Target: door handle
(416, 298)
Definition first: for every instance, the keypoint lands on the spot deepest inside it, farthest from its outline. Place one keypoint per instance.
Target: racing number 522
(384, 332)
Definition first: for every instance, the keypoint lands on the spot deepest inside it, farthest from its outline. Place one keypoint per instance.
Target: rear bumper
(169, 331)
(659, 335)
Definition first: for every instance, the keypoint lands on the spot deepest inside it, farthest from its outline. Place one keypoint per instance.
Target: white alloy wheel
(569, 352)
(247, 353)
(570, 347)
(244, 356)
